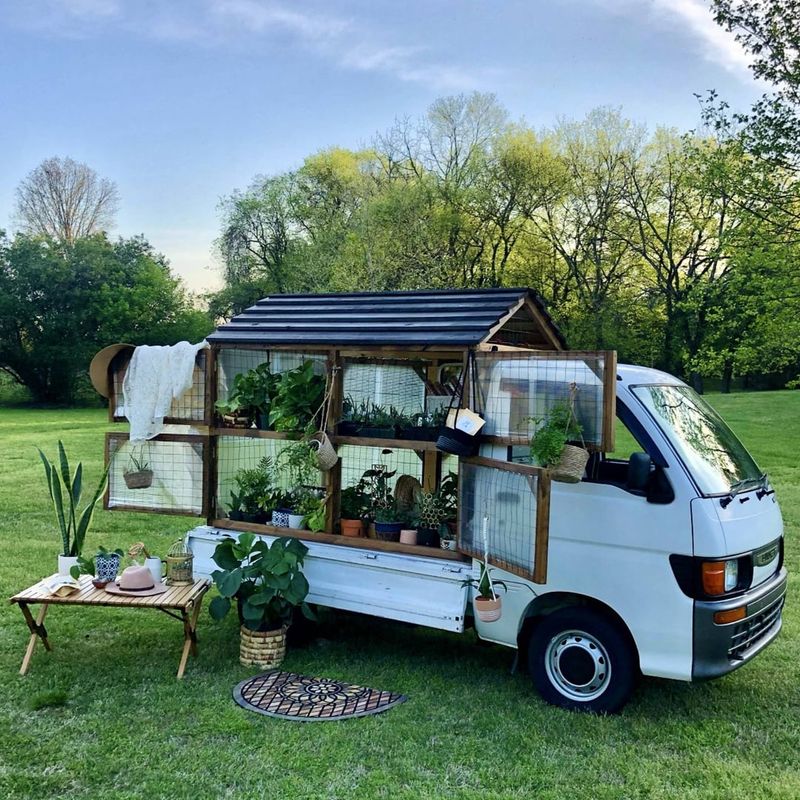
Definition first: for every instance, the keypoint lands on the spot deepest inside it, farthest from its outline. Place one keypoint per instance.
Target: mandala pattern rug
(303, 699)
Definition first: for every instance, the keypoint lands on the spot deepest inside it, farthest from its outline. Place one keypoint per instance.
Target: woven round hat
(98, 369)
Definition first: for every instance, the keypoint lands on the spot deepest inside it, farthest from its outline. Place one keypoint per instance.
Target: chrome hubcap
(578, 666)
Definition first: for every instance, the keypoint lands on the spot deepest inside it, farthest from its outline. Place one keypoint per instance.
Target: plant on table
(298, 399)
(250, 397)
(104, 565)
(368, 419)
(66, 490)
(423, 426)
(268, 584)
(353, 510)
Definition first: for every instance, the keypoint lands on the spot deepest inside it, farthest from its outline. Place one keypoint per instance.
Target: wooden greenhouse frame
(427, 329)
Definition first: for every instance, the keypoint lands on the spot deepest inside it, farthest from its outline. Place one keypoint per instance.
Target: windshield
(709, 448)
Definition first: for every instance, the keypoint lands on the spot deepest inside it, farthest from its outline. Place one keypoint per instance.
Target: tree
(61, 302)
(65, 200)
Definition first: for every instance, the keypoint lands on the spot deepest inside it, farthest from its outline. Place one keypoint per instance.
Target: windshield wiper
(744, 484)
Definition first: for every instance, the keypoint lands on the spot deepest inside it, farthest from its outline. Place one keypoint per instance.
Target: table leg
(189, 634)
(37, 630)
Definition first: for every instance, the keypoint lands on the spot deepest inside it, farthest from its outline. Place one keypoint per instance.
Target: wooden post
(609, 400)
(430, 458)
(542, 534)
(334, 475)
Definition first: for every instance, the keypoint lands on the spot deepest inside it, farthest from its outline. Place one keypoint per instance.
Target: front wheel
(580, 660)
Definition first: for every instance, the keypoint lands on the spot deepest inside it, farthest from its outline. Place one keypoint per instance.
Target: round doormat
(298, 697)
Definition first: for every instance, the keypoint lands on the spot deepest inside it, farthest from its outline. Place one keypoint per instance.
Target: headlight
(720, 576)
(731, 574)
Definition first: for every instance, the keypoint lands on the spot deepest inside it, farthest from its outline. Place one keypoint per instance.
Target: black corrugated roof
(457, 317)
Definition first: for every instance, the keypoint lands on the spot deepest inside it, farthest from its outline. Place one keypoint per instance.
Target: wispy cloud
(347, 43)
(713, 42)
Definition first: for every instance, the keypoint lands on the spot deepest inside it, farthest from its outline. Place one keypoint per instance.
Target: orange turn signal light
(713, 577)
(732, 615)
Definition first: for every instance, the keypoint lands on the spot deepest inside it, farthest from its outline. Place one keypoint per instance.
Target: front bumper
(719, 649)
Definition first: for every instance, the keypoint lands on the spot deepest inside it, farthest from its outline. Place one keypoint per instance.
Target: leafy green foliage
(298, 399)
(66, 490)
(61, 302)
(353, 502)
(252, 392)
(255, 488)
(266, 580)
(552, 433)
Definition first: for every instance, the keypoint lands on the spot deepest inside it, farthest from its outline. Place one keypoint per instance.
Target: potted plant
(388, 523)
(448, 493)
(267, 582)
(430, 514)
(312, 507)
(487, 604)
(367, 419)
(353, 510)
(66, 490)
(422, 427)
(104, 566)
(297, 465)
(250, 397)
(297, 399)
(549, 443)
(255, 487)
(137, 473)
(348, 425)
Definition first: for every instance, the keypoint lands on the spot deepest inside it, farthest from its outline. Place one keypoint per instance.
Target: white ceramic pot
(296, 521)
(65, 564)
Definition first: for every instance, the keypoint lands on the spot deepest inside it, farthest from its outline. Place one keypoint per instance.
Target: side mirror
(639, 468)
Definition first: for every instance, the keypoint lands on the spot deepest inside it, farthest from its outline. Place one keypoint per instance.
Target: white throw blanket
(155, 377)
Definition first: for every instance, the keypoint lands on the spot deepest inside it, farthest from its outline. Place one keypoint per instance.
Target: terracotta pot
(408, 536)
(487, 609)
(352, 527)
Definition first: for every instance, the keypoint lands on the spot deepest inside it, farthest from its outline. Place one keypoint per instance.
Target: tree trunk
(727, 376)
(697, 382)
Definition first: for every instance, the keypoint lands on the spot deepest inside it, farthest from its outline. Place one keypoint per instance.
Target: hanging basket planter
(488, 609)
(143, 479)
(262, 648)
(326, 455)
(571, 465)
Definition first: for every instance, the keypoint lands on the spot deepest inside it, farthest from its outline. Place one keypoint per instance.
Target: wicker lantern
(179, 564)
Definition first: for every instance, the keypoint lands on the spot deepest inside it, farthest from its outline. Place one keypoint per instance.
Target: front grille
(751, 631)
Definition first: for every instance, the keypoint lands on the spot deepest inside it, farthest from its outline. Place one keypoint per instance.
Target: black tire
(580, 660)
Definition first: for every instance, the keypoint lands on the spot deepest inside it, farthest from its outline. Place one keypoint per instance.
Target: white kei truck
(665, 559)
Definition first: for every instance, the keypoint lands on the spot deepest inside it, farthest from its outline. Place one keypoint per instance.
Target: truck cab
(667, 558)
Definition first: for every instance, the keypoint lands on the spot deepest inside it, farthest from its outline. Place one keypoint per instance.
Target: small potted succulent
(137, 473)
(487, 603)
(268, 584)
(353, 510)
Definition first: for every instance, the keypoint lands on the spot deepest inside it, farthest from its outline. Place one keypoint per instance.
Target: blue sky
(182, 101)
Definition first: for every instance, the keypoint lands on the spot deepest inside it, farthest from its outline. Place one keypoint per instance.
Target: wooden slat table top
(180, 597)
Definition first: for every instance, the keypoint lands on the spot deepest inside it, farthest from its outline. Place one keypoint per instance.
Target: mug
(155, 565)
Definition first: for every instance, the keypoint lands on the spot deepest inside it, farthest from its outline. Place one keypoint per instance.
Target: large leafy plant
(255, 487)
(66, 490)
(298, 398)
(252, 392)
(266, 579)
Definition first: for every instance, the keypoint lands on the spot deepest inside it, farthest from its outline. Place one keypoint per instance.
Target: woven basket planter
(571, 465)
(262, 648)
(325, 454)
(142, 479)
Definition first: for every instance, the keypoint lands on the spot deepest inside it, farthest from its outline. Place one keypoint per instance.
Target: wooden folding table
(181, 602)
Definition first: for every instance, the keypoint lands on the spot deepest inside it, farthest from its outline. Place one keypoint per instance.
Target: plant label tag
(463, 419)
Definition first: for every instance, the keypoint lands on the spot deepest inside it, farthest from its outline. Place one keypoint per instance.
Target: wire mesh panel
(163, 475)
(239, 458)
(503, 513)
(518, 392)
(232, 362)
(189, 408)
(356, 460)
(388, 386)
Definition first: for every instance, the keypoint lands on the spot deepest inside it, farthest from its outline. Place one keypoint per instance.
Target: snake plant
(65, 492)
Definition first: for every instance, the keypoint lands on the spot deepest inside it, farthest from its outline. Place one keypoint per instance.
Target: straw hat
(136, 581)
(98, 369)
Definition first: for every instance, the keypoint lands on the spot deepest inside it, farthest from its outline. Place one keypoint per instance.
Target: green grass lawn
(103, 715)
